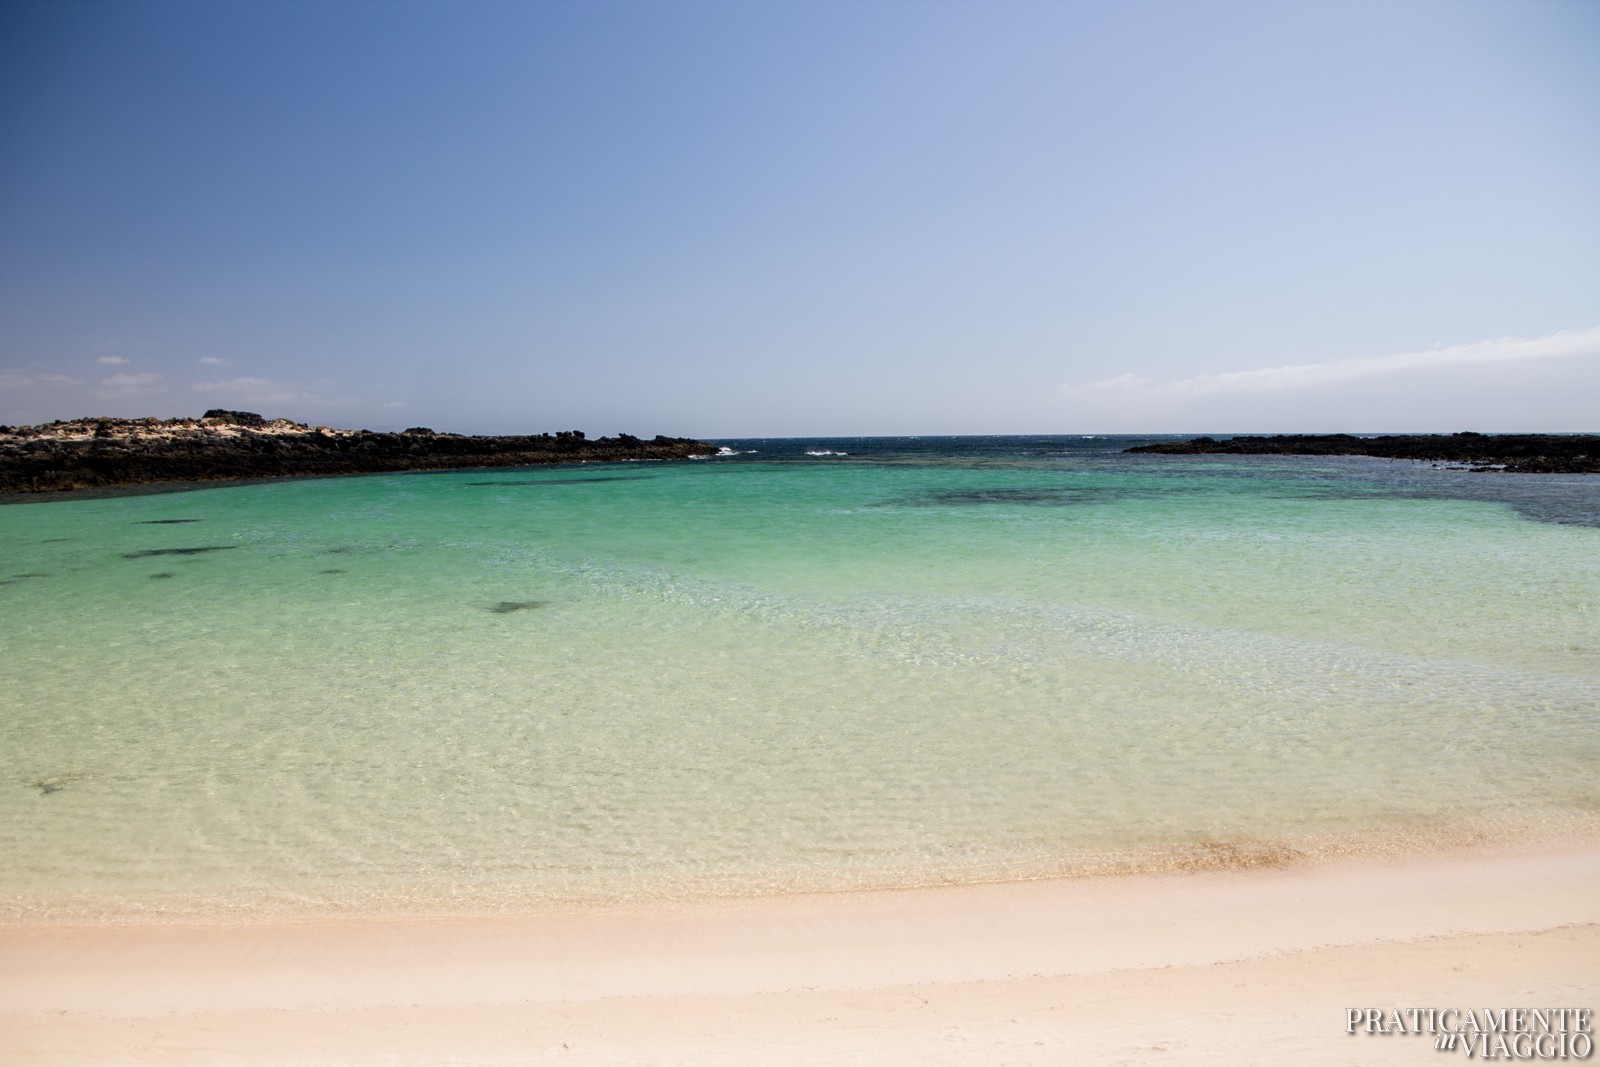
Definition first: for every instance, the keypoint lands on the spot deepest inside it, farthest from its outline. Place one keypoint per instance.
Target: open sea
(807, 665)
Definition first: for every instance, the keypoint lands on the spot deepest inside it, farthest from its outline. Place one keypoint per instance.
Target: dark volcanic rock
(233, 418)
(98, 452)
(1552, 453)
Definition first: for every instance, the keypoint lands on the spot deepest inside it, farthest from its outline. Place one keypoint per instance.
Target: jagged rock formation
(1541, 453)
(100, 452)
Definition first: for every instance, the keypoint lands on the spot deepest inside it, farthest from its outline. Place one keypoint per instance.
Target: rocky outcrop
(99, 452)
(1535, 453)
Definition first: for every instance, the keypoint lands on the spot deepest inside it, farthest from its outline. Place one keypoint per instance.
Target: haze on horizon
(720, 219)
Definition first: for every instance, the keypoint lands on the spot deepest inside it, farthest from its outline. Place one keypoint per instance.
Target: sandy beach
(778, 533)
(1257, 966)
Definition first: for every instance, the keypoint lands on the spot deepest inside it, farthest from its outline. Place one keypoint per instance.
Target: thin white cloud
(212, 361)
(246, 384)
(1298, 376)
(111, 361)
(1122, 383)
(12, 380)
(268, 392)
(122, 386)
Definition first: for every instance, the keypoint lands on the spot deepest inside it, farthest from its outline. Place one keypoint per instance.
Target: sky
(780, 218)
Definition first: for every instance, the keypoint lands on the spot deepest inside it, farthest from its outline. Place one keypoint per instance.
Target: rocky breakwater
(98, 453)
(1531, 453)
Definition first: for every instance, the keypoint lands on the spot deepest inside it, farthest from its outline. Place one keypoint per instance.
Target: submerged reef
(1518, 453)
(99, 453)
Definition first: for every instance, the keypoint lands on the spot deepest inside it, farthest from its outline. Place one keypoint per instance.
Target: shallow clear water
(917, 662)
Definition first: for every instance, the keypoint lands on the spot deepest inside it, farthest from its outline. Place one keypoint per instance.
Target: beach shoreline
(94, 455)
(1203, 967)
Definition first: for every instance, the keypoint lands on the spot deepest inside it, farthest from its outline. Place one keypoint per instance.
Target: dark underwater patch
(163, 522)
(540, 483)
(163, 574)
(506, 607)
(145, 553)
(333, 570)
(54, 783)
(1043, 496)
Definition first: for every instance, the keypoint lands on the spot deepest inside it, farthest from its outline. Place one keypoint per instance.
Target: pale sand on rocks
(1218, 967)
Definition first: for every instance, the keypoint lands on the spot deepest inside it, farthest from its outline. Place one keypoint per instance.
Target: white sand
(1204, 968)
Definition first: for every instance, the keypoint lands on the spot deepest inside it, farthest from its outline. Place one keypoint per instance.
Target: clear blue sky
(791, 218)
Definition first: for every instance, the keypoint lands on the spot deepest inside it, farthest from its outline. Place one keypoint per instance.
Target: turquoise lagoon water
(899, 662)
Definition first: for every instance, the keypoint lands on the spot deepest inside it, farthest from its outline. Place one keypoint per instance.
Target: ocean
(804, 665)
